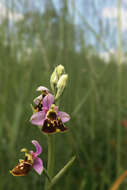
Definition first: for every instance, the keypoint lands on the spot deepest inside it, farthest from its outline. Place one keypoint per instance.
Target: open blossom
(38, 100)
(31, 161)
(50, 118)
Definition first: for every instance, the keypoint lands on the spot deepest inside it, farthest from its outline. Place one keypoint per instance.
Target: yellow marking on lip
(15, 174)
(57, 130)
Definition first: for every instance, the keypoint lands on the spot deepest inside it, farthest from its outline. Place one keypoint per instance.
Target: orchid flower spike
(31, 161)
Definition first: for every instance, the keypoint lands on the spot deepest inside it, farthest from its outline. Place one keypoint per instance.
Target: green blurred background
(35, 36)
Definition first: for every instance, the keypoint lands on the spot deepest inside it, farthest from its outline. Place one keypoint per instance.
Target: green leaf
(61, 172)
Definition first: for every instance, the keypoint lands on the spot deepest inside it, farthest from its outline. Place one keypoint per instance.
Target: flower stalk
(46, 174)
(50, 166)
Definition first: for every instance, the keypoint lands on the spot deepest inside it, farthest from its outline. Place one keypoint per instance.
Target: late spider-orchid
(50, 118)
(31, 161)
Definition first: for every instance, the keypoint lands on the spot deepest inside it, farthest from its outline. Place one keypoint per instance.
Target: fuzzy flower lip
(31, 161)
(50, 116)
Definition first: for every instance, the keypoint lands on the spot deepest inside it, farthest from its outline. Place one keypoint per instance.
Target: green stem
(46, 174)
(50, 166)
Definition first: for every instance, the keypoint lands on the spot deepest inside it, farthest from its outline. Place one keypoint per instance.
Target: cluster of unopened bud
(58, 81)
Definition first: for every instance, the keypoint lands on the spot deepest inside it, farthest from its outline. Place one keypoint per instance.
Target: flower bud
(61, 85)
(53, 80)
(60, 70)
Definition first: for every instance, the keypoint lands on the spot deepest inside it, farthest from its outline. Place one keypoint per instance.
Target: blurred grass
(91, 98)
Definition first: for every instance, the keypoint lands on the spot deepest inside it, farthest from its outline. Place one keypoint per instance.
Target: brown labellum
(53, 126)
(21, 169)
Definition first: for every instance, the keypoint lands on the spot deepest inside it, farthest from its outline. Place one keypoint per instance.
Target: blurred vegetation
(30, 48)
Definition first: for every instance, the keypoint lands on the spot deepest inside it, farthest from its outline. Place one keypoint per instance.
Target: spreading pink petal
(42, 88)
(48, 100)
(38, 165)
(38, 118)
(64, 116)
(38, 147)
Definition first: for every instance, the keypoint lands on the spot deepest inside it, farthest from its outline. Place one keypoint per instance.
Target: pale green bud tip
(53, 79)
(61, 85)
(62, 81)
(60, 70)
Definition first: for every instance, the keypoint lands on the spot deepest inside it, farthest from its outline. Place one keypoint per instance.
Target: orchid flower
(31, 161)
(50, 118)
(38, 100)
